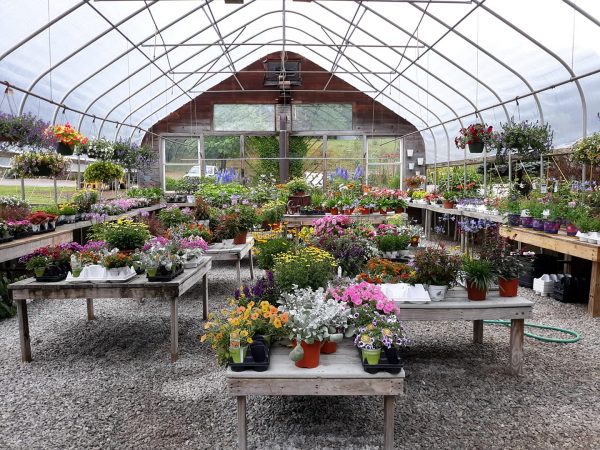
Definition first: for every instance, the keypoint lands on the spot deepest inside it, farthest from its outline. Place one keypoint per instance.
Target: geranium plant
(474, 134)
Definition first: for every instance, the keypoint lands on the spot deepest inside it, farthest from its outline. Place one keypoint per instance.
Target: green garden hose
(575, 334)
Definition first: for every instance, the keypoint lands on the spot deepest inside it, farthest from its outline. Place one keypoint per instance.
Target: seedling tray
(250, 364)
(383, 366)
(51, 279)
(167, 277)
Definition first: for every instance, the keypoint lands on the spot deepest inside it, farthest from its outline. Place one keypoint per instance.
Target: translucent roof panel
(114, 68)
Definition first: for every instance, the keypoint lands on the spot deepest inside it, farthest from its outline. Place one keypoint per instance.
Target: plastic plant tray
(383, 366)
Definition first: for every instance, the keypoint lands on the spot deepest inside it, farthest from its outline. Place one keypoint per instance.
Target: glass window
(239, 117)
(322, 116)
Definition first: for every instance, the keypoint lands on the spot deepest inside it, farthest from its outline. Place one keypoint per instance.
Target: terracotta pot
(312, 354)
(448, 204)
(475, 294)
(571, 229)
(508, 288)
(364, 210)
(334, 211)
(240, 238)
(347, 212)
(382, 211)
(329, 347)
(399, 210)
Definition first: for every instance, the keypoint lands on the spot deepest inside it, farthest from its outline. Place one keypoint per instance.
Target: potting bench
(568, 245)
(136, 288)
(456, 306)
(223, 252)
(339, 373)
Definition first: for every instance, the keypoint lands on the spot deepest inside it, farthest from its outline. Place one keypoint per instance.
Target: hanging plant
(25, 130)
(476, 136)
(530, 140)
(39, 164)
(67, 138)
(587, 149)
(103, 172)
(100, 149)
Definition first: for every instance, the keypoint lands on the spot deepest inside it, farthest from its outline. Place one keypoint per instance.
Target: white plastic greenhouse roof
(118, 67)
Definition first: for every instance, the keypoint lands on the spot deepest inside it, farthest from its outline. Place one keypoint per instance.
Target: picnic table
(136, 288)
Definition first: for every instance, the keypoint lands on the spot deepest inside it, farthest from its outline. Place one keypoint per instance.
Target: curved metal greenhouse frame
(437, 63)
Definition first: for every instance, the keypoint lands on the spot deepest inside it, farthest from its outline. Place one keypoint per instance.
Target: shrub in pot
(270, 248)
(437, 270)
(124, 234)
(303, 267)
(104, 172)
(478, 274)
(297, 186)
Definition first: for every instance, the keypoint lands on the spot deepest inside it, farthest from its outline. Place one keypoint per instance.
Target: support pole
(284, 163)
(55, 191)
(324, 152)
(23, 189)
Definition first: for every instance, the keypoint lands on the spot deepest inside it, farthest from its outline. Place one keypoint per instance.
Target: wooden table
(568, 245)
(21, 247)
(340, 373)
(221, 252)
(296, 220)
(457, 307)
(137, 288)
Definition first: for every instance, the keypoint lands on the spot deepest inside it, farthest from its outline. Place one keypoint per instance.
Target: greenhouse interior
(294, 224)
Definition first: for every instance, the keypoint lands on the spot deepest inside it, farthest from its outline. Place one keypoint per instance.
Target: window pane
(181, 150)
(322, 116)
(244, 117)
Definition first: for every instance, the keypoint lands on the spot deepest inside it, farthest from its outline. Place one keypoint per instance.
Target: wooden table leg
(24, 330)
(241, 417)
(389, 405)
(174, 331)
(478, 331)
(517, 329)
(90, 308)
(239, 275)
(251, 264)
(594, 299)
(205, 297)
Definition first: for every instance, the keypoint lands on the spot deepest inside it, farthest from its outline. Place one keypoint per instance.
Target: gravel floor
(109, 384)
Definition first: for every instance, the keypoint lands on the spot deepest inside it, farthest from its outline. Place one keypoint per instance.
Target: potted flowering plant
(303, 267)
(414, 182)
(104, 172)
(38, 265)
(115, 261)
(39, 164)
(587, 150)
(124, 234)
(191, 249)
(450, 198)
(100, 149)
(437, 270)
(378, 271)
(24, 131)
(161, 258)
(67, 137)
(312, 319)
(382, 332)
(476, 136)
(241, 219)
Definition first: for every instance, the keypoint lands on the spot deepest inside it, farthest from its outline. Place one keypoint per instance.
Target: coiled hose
(576, 336)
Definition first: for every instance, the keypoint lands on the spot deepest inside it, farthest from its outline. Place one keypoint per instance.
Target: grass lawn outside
(39, 195)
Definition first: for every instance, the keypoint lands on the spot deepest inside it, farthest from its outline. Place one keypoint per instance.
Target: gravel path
(109, 384)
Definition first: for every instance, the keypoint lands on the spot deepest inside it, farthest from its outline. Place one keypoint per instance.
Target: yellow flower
(251, 305)
(244, 333)
(249, 340)
(203, 338)
(277, 323)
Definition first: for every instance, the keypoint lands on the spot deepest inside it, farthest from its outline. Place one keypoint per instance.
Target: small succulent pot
(371, 356)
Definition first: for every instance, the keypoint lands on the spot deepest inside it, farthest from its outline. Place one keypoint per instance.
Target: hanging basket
(64, 149)
(43, 171)
(476, 147)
